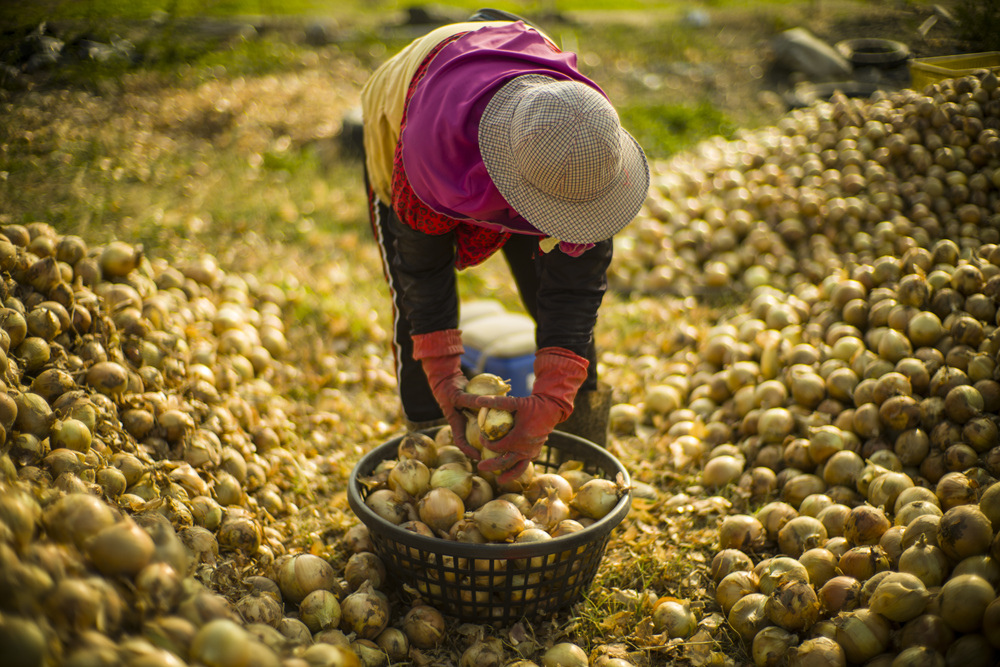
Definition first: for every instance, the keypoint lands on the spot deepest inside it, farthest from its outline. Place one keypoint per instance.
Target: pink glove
(558, 376)
(440, 355)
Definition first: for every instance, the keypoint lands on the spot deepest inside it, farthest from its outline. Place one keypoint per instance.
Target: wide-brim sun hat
(557, 152)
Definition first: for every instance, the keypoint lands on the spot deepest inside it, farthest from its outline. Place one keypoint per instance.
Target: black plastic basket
(496, 583)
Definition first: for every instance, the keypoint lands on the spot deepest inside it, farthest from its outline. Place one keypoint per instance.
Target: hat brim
(589, 221)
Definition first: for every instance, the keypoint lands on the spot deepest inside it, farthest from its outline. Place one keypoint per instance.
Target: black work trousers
(520, 252)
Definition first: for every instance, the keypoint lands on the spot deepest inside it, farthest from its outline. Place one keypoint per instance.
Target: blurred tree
(979, 23)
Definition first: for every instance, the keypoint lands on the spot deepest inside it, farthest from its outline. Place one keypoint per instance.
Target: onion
(971, 650)
(793, 605)
(926, 630)
(320, 610)
(385, 504)
(565, 654)
(740, 531)
(865, 525)
(123, 548)
(862, 634)
(863, 562)
(596, 498)
(909, 512)
(770, 646)
(800, 534)
(774, 515)
(964, 530)
(926, 561)
(674, 618)
(954, 489)
(365, 612)
(440, 508)
(364, 566)
(301, 574)
(817, 652)
(486, 653)
(721, 471)
(424, 626)
(394, 643)
(499, 520)
(727, 561)
(548, 512)
(418, 446)
(221, 642)
(735, 586)
(455, 477)
(820, 564)
(540, 486)
(411, 476)
(989, 504)
(983, 565)
(900, 597)
(748, 616)
(834, 519)
(839, 593)
(963, 601)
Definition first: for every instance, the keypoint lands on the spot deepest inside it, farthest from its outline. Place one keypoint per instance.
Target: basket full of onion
(485, 552)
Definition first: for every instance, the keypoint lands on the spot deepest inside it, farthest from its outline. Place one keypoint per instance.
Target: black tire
(874, 52)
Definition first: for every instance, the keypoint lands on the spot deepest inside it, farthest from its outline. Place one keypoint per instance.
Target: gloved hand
(440, 355)
(559, 374)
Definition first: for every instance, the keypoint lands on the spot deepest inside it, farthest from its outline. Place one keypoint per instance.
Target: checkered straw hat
(560, 157)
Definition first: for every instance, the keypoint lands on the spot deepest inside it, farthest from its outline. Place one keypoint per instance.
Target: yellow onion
(542, 483)
(748, 616)
(963, 601)
(440, 508)
(865, 525)
(364, 566)
(494, 423)
(964, 530)
(365, 612)
(548, 512)
(925, 561)
(801, 534)
(486, 653)
(918, 656)
(911, 510)
(770, 646)
(834, 518)
(121, 548)
(774, 515)
(674, 618)
(480, 493)
(301, 574)
(821, 565)
(411, 476)
(817, 652)
(741, 531)
(927, 630)
(900, 597)
(991, 623)
(862, 634)
(735, 586)
(596, 498)
(499, 520)
(839, 593)
(424, 626)
(320, 610)
(953, 489)
(222, 643)
(727, 561)
(419, 446)
(863, 562)
(984, 565)
(773, 571)
(454, 477)
(394, 643)
(793, 605)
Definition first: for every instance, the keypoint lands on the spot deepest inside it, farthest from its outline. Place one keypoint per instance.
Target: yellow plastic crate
(925, 71)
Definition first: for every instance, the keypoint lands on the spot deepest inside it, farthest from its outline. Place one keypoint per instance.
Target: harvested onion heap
(853, 401)
(147, 450)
